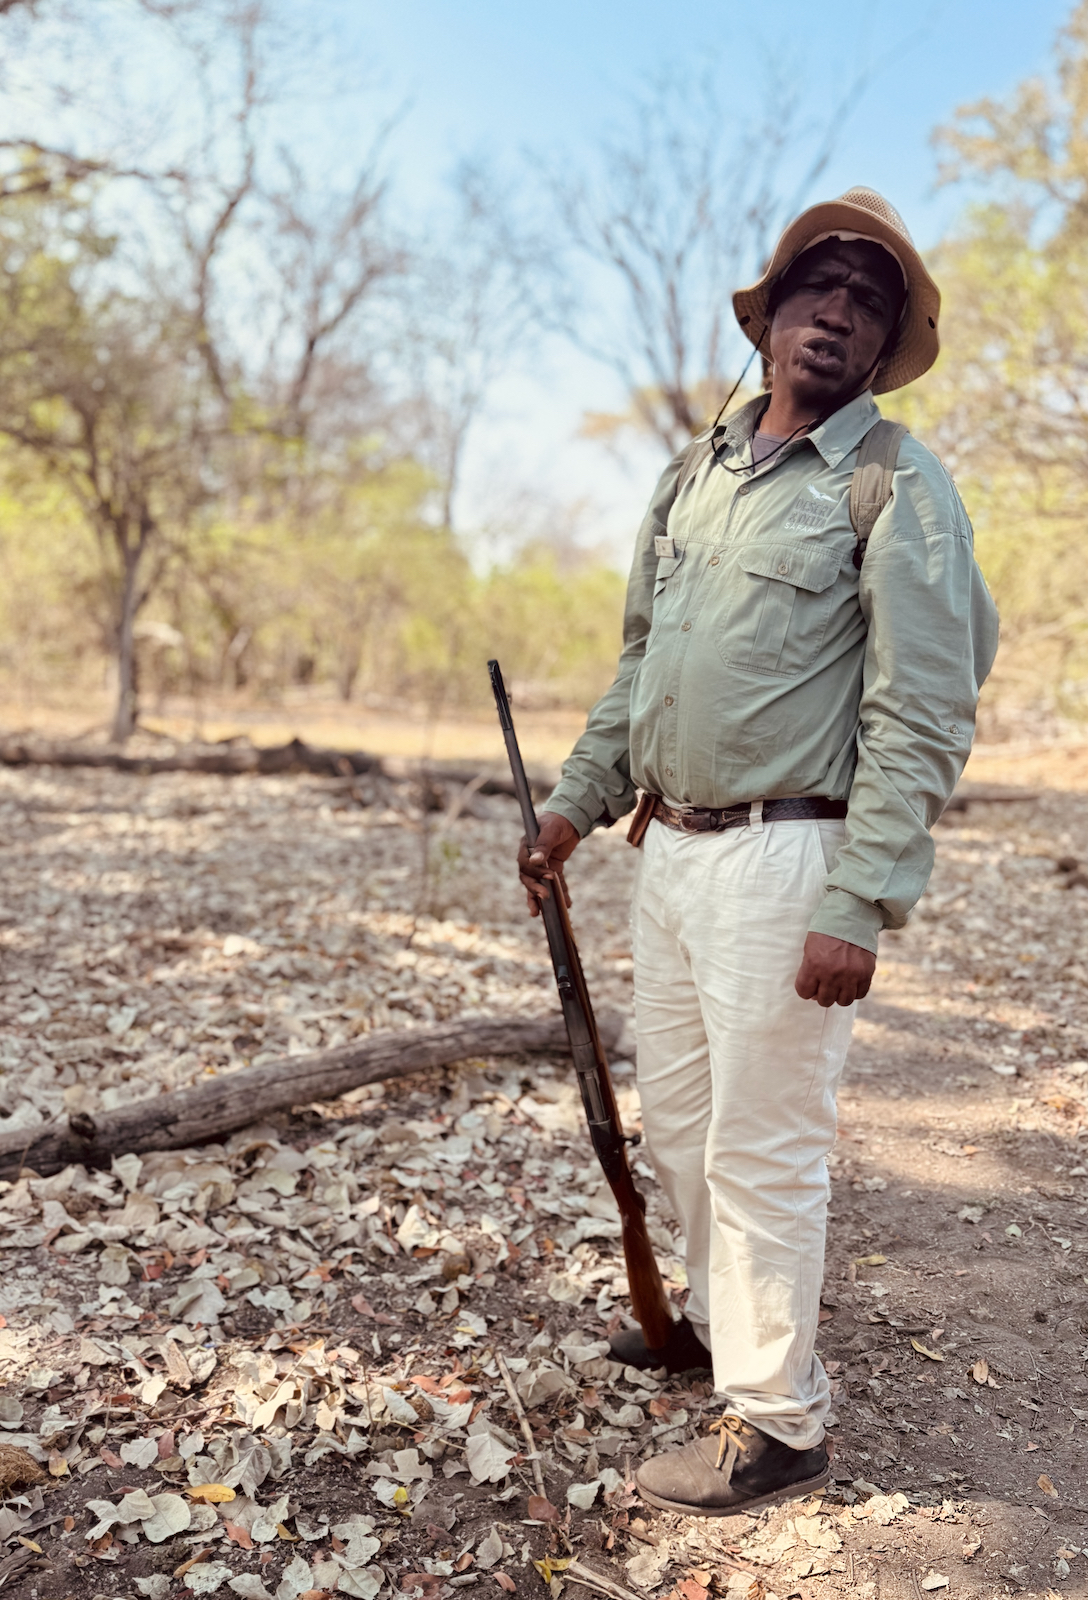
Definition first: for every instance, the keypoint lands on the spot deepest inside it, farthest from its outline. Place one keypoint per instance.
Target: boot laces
(734, 1435)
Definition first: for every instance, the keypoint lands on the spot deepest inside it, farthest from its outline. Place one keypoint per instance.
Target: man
(797, 707)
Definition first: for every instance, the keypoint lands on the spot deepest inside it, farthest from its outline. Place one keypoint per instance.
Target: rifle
(648, 1299)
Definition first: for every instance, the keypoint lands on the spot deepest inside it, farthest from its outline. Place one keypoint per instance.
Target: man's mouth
(822, 354)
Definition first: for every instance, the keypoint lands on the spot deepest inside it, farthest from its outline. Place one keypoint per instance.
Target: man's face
(837, 306)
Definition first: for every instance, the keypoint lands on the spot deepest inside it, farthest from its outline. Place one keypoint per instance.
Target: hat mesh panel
(876, 203)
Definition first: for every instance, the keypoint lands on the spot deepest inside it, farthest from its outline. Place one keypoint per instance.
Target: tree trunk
(350, 662)
(126, 712)
(210, 1110)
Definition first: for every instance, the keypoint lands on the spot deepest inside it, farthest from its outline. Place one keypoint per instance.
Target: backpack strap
(871, 483)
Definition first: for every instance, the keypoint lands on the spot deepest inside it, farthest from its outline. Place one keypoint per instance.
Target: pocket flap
(805, 566)
(667, 565)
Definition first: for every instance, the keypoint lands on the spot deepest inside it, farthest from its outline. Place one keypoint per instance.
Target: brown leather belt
(715, 819)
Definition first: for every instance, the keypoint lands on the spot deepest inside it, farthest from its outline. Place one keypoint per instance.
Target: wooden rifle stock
(648, 1299)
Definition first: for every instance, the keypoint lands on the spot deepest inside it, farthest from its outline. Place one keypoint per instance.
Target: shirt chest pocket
(664, 591)
(777, 607)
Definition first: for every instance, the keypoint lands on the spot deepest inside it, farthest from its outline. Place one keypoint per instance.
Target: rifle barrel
(648, 1299)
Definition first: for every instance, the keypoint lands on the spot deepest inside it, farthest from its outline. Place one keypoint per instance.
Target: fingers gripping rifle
(648, 1299)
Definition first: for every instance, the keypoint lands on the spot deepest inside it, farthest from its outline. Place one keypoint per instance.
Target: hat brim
(918, 344)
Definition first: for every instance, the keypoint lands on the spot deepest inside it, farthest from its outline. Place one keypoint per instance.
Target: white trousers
(737, 1077)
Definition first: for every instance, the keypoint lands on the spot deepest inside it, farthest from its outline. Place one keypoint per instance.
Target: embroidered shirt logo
(811, 511)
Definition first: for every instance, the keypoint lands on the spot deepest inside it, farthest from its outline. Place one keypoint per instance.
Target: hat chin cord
(806, 427)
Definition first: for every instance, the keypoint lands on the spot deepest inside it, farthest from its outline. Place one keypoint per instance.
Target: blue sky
(496, 77)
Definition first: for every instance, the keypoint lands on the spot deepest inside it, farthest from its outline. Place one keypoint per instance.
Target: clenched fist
(833, 971)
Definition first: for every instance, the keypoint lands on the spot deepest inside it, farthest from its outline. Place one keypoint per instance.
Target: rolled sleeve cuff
(843, 916)
(583, 810)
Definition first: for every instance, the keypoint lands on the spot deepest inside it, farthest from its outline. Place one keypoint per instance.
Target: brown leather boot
(683, 1350)
(739, 1470)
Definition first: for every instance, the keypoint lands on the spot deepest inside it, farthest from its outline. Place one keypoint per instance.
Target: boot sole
(791, 1491)
(671, 1372)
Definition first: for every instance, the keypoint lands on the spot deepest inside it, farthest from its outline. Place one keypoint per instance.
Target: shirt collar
(834, 439)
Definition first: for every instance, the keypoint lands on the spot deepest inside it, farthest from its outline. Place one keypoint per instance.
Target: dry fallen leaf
(179, 1572)
(1046, 1485)
(550, 1566)
(211, 1494)
(489, 1549)
(177, 1366)
(981, 1370)
(688, 1589)
(923, 1350)
(365, 1309)
(238, 1535)
(58, 1467)
(171, 1516)
(504, 1581)
(542, 1510)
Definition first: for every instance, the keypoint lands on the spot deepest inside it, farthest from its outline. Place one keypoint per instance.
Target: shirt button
(668, 772)
(685, 627)
(668, 702)
(783, 568)
(714, 560)
(743, 489)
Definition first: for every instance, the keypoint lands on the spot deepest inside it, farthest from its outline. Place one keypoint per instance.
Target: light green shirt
(758, 662)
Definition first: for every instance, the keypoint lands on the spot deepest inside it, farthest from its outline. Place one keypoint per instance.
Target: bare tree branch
(680, 206)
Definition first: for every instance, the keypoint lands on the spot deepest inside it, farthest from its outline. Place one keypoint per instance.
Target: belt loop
(755, 816)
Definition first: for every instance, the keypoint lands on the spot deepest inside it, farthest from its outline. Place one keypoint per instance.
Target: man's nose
(835, 312)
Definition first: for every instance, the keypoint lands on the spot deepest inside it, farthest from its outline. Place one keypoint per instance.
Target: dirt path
(312, 1313)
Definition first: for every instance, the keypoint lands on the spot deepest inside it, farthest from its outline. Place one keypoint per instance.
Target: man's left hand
(834, 972)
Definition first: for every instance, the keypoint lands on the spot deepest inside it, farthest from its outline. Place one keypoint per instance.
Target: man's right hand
(555, 843)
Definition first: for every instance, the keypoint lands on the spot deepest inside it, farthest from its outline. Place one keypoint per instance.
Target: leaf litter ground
(274, 1367)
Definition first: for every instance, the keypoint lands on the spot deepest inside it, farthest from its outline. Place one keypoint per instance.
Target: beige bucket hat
(859, 213)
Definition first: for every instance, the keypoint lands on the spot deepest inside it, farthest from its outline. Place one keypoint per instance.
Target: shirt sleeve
(596, 788)
(931, 643)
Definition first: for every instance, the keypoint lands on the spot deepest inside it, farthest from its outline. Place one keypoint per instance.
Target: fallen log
(234, 758)
(964, 797)
(206, 1112)
(231, 759)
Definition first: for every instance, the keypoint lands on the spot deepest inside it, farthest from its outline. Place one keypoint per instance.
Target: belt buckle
(691, 822)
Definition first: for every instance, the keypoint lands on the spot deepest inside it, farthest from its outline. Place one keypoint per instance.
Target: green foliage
(145, 512)
(1007, 404)
(352, 586)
